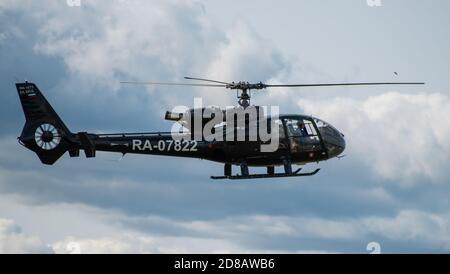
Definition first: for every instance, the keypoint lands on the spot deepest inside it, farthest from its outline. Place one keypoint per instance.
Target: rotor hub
(245, 85)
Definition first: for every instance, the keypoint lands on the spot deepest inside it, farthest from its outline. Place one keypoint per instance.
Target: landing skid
(266, 176)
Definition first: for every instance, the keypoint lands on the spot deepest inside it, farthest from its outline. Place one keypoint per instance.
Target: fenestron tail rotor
(47, 137)
(245, 87)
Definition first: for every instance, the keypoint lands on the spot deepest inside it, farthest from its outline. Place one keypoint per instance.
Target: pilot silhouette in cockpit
(301, 130)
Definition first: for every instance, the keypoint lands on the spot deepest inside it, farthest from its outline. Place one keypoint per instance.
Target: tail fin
(44, 132)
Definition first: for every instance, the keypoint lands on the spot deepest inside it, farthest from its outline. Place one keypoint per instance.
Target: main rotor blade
(206, 80)
(346, 84)
(172, 84)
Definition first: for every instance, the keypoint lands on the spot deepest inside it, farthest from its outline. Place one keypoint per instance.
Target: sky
(392, 188)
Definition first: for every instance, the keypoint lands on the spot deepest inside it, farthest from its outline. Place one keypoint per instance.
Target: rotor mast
(245, 88)
(244, 98)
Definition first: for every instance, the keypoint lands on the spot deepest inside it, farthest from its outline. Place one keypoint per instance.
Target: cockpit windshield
(333, 139)
(322, 124)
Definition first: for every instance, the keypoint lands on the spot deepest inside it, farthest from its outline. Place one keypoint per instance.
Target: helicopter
(300, 139)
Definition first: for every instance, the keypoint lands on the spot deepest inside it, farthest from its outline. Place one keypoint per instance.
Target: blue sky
(392, 188)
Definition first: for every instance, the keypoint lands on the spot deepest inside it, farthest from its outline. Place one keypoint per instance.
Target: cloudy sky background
(393, 187)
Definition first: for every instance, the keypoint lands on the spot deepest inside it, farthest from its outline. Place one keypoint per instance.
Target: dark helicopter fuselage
(320, 143)
(301, 139)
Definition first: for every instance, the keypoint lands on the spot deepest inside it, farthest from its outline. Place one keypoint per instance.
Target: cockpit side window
(302, 134)
(300, 128)
(310, 128)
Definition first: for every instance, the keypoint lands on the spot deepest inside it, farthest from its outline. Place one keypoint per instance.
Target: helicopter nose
(341, 146)
(335, 143)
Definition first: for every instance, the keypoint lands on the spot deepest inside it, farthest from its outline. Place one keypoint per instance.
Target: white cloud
(237, 234)
(64, 228)
(403, 137)
(103, 42)
(409, 225)
(72, 245)
(138, 243)
(244, 55)
(13, 240)
(68, 228)
(144, 40)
